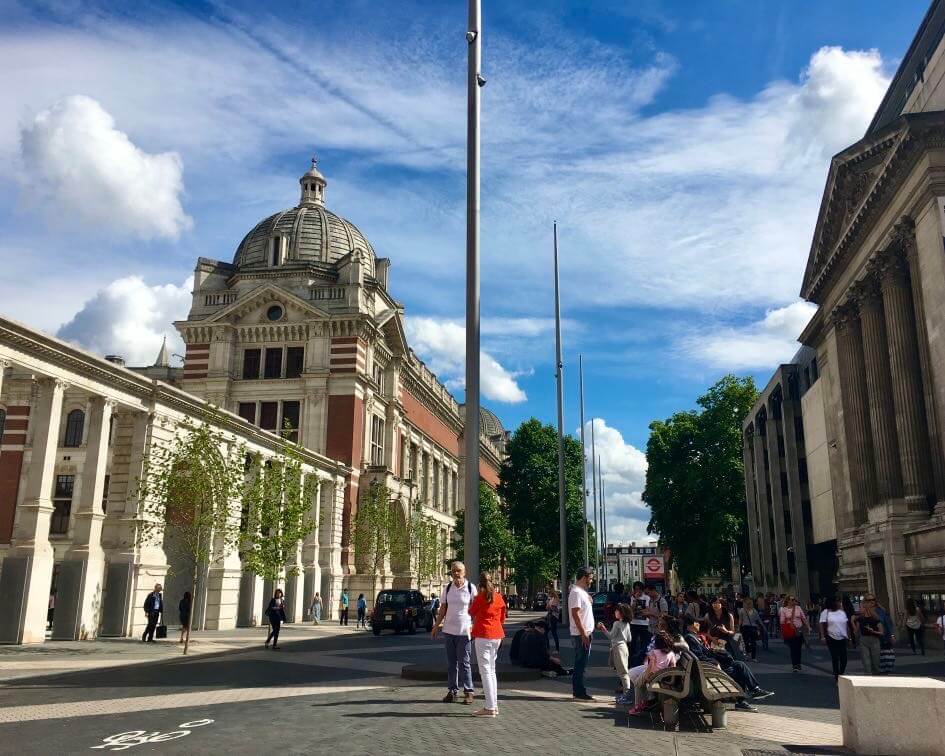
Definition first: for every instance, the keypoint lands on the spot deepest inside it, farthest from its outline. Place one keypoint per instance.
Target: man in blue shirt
(343, 618)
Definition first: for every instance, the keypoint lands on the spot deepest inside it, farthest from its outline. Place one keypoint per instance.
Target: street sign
(653, 568)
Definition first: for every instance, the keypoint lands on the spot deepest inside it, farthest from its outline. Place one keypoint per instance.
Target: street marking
(125, 740)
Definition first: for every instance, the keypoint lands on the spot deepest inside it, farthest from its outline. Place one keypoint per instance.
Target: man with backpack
(453, 618)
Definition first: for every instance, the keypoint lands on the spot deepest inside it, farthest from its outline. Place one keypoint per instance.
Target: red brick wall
(344, 442)
(196, 360)
(428, 423)
(488, 474)
(11, 464)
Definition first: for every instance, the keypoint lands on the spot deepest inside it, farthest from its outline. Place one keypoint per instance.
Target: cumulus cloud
(623, 469)
(79, 168)
(442, 344)
(765, 343)
(130, 318)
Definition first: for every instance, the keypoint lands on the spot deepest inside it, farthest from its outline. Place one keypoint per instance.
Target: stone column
(4, 364)
(26, 576)
(312, 572)
(764, 527)
(879, 391)
(775, 468)
(907, 383)
(789, 411)
(747, 437)
(82, 573)
(855, 412)
(329, 545)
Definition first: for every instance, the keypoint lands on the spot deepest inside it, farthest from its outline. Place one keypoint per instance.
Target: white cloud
(442, 344)
(130, 318)
(766, 343)
(623, 469)
(77, 167)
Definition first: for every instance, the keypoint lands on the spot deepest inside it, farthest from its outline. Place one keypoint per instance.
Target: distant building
(628, 563)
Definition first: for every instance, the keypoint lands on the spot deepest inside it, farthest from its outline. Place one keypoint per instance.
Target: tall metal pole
(603, 530)
(583, 455)
(600, 521)
(559, 373)
(471, 437)
(594, 484)
(603, 507)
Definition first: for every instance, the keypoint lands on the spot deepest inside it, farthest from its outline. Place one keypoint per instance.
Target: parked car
(540, 602)
(603, 606)
(400, 610)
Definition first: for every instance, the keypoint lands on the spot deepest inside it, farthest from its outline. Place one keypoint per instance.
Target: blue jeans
(458, 669)
(581, 654)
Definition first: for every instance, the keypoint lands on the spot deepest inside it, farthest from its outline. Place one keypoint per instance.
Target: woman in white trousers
(488, 612)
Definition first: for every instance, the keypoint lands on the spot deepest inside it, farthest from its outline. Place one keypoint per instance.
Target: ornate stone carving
(903, 237)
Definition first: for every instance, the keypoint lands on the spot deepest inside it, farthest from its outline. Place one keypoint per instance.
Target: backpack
(450, 585)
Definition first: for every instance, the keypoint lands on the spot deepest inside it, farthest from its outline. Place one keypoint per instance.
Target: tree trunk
(190, 616)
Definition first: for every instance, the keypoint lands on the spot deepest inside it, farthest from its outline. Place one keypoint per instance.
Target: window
(378, 375)
(273, 363)
(275, 251)
(802, 469)
(269, 415)
(275, 313)
(62, 504)
(3, 421)
(250, 364)
(75, 423)
(377, 440)
(436, 485)
(108, 479)
(290, 421)
(294, 361)
(247, 411)
(424, 487)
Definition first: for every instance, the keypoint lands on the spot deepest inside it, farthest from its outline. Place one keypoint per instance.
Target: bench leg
(719, 715)
(670, 712)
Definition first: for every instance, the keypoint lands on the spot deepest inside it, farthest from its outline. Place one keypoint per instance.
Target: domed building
(300, 334)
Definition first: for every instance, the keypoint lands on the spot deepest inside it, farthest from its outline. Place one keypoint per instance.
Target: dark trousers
(153, 618)
(742, 674)
(916, 637)
(343, 618)
(274, 628)
(362, 614)
(794, 644)
(553, 628)
(581, 655)
(639, 638)
(750, 636)
(838, 655)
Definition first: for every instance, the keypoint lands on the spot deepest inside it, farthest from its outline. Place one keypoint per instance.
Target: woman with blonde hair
(488, 612)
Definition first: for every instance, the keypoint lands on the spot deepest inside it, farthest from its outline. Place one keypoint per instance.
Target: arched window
(3, 421)
(75, 423)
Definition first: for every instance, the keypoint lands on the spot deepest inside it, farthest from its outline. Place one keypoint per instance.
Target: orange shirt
(488, 618)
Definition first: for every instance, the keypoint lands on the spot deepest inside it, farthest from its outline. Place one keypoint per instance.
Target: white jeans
(487, 651)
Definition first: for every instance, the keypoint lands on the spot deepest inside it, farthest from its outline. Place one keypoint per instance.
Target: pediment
(391, 324)
(252, 307)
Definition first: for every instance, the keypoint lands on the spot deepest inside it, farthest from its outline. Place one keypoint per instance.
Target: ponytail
(486, 586)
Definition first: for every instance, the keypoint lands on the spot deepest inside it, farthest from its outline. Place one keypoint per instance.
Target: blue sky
(682, 147)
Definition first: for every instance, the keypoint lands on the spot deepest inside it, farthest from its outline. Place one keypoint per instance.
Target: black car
(540, 602)
(400, 610)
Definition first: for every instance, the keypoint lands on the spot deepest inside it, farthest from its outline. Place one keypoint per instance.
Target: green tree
(529, 485)
(496, 544)
(377, 529)
(695, 479)
(189, 496)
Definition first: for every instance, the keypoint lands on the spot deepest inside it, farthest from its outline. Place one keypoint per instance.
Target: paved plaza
(333, 689)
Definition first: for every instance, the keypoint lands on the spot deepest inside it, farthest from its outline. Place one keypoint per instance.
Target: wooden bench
(699, 687)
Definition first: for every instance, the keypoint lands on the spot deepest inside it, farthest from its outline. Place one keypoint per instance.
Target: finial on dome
(313, 185)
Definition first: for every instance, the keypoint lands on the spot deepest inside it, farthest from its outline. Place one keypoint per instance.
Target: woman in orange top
(488, 614)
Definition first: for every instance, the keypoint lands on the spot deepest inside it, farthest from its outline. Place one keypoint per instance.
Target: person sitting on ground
(515, 652)
(534, 654)
(661, 657)
(620, 637)
(739, 671)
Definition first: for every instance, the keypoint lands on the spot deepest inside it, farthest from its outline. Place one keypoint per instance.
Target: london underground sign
(653, 567)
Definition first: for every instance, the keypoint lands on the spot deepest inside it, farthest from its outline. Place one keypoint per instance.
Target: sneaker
(758, 693)
(548, 673)
(449, 697)
(468, 697)
(796, 669)
(486, 713)
(743, 705)
(637, 710)
(624, 700)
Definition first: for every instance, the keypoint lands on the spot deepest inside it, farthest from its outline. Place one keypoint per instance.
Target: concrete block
(892, 715)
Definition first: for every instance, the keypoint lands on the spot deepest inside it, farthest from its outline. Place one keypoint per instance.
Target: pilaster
(789, 411)
(775, 469)
(764, 510)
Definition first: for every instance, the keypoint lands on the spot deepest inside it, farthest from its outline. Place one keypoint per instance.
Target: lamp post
(559, 375)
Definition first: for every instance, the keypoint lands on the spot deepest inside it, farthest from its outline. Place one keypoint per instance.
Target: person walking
(154, 608)
(581, 623)
(362, 611)
(792, 622)
(887, 650)
(620, 637)
(554, 619)
(836, 630)
(183, 612)
(343, 607)
(276, 614)
(870, 629)
(454, 620)
(915, 625)
(488, 613)
(317, 608)
(750, 626)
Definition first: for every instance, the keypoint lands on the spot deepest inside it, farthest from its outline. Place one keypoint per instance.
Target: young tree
(376, 527)
(695, 479)
(495, 538)
(188, 496)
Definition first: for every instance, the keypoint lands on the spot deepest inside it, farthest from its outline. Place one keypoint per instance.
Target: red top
(488, 618)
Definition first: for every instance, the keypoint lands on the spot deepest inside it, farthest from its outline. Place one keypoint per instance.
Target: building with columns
(75, 431)
(876, 270)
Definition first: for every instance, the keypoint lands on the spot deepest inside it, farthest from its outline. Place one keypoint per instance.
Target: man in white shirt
(453, 618)
(581, 616)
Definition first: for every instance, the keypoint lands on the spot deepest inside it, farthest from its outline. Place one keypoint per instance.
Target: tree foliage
(496, 544)
(695, 479)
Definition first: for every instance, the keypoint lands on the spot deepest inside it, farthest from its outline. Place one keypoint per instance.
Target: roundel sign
(653, 567)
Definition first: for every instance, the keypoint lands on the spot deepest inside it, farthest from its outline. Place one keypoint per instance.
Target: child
(619, 636)
(661, 657)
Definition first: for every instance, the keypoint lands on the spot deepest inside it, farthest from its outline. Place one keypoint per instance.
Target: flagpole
(594, 485)
(471, 430)
(600, 523)
(583, 455)
(559, 374)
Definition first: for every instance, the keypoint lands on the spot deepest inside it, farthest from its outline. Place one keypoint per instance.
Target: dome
(306, 233)
(489, 424)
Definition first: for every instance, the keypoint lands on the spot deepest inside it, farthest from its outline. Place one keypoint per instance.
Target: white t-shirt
(836, 623)
(645, 601)
(578, 599)
(457, 621)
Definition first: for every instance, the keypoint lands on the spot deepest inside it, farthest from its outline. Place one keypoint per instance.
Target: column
(775, 468)
(4, 364)
(26, 576)
(224, 576)
(905, 237)
(312, 572)
(789, 411)
(747, 437)
(855, 413)
(879, 392)
(329, 545)
(764, 529)
(82, 573)
(907, 383)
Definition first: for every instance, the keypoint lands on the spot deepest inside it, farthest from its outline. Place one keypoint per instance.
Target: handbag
(160, 631)
(788, 631)
(913, 622)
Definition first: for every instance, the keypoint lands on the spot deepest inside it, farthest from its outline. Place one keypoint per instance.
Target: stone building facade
(876, 270)
(75, 431)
